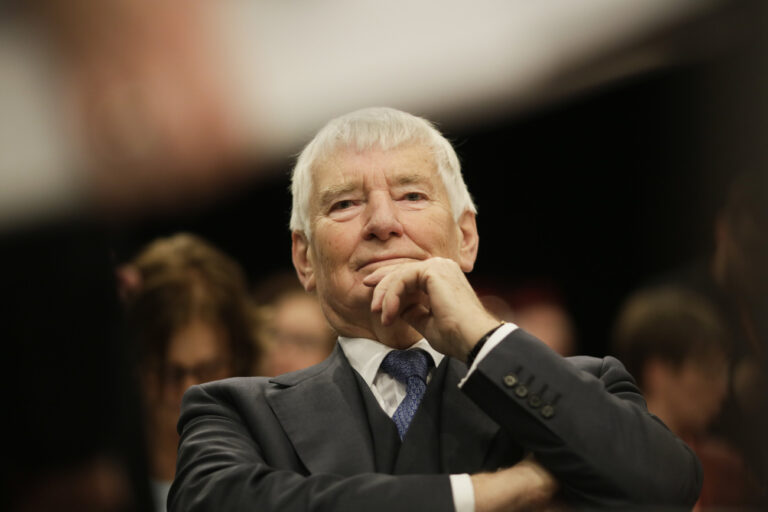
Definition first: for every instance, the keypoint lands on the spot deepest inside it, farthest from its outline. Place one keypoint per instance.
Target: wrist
(478, 345)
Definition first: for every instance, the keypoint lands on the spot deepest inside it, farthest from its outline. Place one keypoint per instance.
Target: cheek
(331, 257)
(437, 234)
(332, 251)
(701, 397)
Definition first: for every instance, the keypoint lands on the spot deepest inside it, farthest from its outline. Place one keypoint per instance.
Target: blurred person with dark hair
(737, 277)
(739, 269)
(189, 312)
(676, 345)
(294, 332)
(741, 243)
(735, 280)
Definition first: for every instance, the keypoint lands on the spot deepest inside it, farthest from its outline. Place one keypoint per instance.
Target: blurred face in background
(690, 395)
(197, 353)
(295, 335)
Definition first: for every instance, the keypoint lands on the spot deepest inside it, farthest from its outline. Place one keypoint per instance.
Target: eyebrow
(411, 179)
(332, 192)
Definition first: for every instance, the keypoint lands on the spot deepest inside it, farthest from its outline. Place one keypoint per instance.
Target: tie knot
(402, 364)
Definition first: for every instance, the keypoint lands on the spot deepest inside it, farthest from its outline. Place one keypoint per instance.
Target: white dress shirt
(366, 356)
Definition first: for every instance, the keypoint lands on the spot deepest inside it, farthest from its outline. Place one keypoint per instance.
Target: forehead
(348, 169)
(197, 341)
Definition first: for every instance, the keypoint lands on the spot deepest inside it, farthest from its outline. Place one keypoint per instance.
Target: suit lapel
(322, 413)
(338, 440)
(466, 431)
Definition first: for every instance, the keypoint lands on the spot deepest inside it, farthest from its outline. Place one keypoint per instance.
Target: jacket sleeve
(222, 466)
(586, 421)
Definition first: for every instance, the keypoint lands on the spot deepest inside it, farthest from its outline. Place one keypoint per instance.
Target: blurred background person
(537, 308)
(734, 278)
(294, 332)
(676, 345)
(189, 313)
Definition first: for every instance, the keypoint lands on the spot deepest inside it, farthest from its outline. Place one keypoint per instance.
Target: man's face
(371, 209)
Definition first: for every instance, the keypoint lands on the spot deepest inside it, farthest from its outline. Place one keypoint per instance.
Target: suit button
(521, 391)
(547, 411)
(510, 380)
(534, 401)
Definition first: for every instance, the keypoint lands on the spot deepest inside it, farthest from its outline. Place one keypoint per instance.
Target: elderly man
(427, 395)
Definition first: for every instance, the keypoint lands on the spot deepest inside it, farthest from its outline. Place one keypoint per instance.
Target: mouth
(376, 263)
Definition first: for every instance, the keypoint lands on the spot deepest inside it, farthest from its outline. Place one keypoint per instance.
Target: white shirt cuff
(494, 340)
(463, 493)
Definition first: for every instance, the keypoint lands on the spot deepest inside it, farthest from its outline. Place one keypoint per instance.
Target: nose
(382, 218)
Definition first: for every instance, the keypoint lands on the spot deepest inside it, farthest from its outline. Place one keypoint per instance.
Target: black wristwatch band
(479, 345)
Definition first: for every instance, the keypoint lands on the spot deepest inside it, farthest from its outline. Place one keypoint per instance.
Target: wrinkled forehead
(347, 169)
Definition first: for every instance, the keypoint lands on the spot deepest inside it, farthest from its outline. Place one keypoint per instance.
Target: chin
(404, 331)
(356, 299)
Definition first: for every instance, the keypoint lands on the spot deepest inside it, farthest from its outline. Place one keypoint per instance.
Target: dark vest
(430, 447)
(419, 452)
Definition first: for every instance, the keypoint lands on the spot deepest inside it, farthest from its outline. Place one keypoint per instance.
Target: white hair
(383, 128)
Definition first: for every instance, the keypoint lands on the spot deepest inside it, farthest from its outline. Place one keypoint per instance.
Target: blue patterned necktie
(411, 368)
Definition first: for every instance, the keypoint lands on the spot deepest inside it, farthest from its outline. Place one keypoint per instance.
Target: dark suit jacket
(313, 439)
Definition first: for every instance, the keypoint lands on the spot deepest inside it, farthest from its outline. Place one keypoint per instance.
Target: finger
(376, 280)
(377, 275)
(418, 313)
(402, 291)
(392, 300)
(379, 292)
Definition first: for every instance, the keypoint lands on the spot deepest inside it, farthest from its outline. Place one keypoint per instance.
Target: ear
(302, 260)
(469, 240)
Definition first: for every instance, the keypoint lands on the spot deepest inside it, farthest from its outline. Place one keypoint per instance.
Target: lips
(376, 263)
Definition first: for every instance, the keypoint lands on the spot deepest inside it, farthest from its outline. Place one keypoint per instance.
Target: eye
(414, 196)
(342, 205)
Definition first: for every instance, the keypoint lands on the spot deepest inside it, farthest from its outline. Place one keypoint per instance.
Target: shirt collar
(366, 355)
